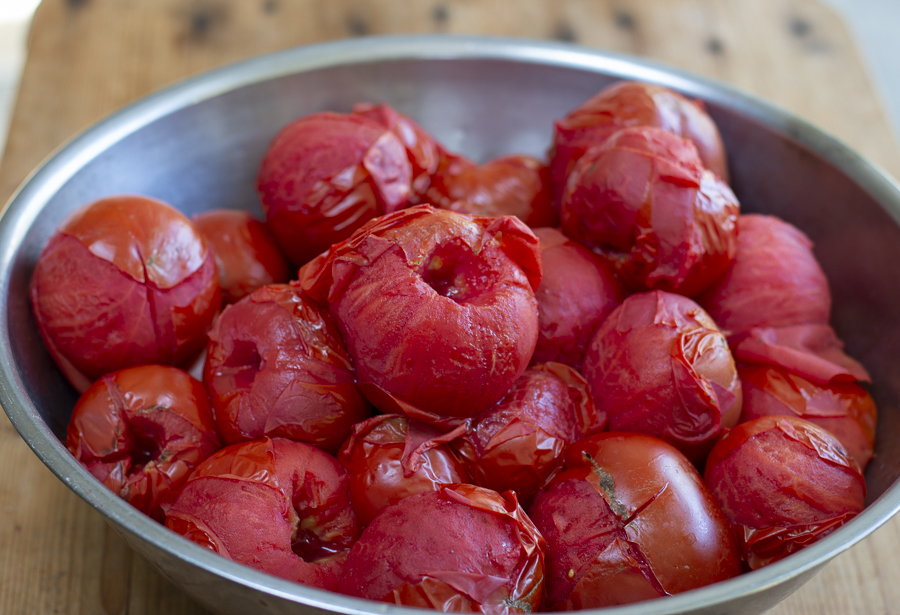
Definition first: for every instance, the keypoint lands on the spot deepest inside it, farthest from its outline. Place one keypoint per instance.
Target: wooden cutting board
(87, 58)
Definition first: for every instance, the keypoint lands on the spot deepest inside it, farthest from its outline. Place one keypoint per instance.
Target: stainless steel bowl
(197, 145)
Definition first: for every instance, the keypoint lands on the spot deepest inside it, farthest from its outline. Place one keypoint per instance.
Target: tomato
(518, 444)
(276, 366)
(784, 483)
(124, 281)
(327, 174)
(631, 103)
(515, 185)
(389, 457)
(658, 365)
(461, 549)
(630, 519)
(644, 202)
(246, 255)
(276, 505)
(774, 280)
(437, 308)
(577, 292)
(141, 431)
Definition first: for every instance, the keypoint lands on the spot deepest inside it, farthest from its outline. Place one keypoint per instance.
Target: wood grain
(87, 58)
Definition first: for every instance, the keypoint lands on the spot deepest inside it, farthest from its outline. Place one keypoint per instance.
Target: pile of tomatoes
(507, 387)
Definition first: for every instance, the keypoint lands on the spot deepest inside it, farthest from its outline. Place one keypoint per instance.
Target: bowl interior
(204, 154)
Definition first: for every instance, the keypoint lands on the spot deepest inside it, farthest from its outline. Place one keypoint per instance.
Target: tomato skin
(577, 292)
(142, 431)
(125, 281)
(325, 175)
(659, 365)
(631, 103)
(644, 202)
(276, 505)
(630, 519)
(390, 457)
(461, 548)
(773, 281)
(514, 185)
(276, 366)
(784, 483)
(437, 308)
(518, 444)
(245, 252)
(843, 408)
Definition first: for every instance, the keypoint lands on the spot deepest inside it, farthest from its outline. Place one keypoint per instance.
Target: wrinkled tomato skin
(577, 292)
(644, 202)
(514, 185)
(630, 519)
(142, 431)
(124, 281)
(659, 365)
(459, 549)
(275, 505)
(390, 457)
(633, 103)
(246, 254)
(327, 174)
(843, 408)
(774, 280)
(437, 308)
(276, 366)
(784, 483)
(518, 444)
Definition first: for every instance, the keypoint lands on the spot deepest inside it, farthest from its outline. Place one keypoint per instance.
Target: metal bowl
(198, 144)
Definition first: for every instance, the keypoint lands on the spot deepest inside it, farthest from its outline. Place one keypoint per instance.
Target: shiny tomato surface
(245, 251)
(124, 281)
(630, 519)
(142, 431)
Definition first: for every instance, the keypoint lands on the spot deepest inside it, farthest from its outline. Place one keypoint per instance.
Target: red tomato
(518, 444)
(276, 505)
(784, 483)
(630, 519)
(437, 308)
(458, 549)
(658, 365)
(843, 408)
(142, 431)
(276, 366)
(327, 174)
(390, 457)
(514, 185)
(246, 255)
(631, 103)
(124, 281)
(644, 202)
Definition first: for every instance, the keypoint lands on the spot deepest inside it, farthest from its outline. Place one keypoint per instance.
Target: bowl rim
(48, 177)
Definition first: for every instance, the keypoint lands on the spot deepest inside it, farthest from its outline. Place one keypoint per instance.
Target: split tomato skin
(325, 175)
(245, 251)
(276, 366)
(124, 281)
(784, 483)
(632, 103)
(273, 504)
(142, 431)
(437, 308)
(461, 548)
(659, 365)
(644, 202)
(630, 519)
(577, 292)
(390, 457)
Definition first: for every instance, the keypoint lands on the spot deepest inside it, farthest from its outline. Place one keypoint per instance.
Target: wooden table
(87, 58)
